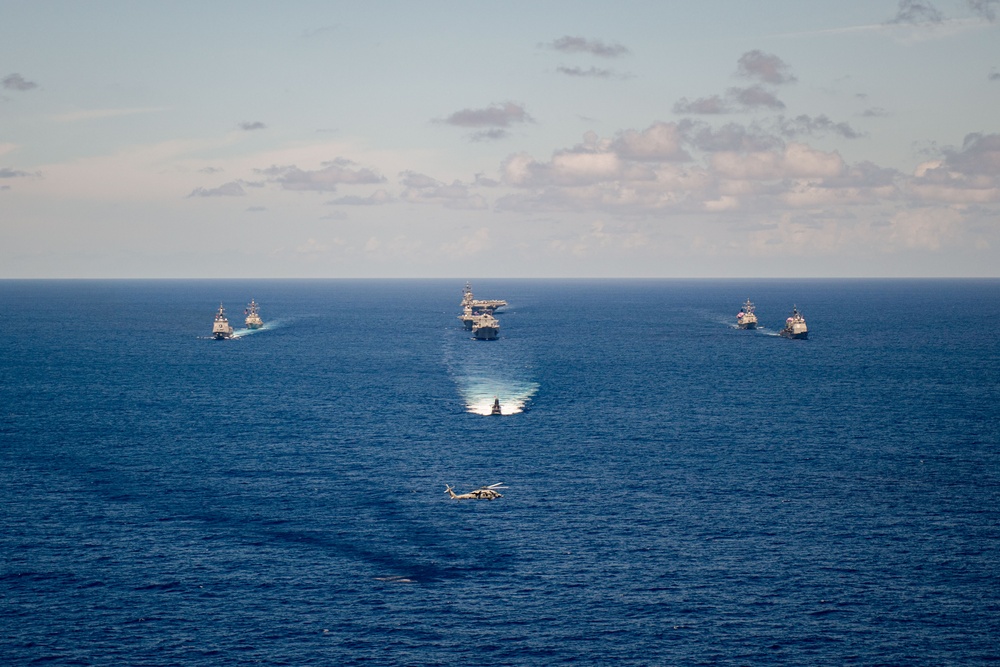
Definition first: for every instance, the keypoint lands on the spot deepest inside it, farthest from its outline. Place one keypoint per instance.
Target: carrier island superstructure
(473, 308)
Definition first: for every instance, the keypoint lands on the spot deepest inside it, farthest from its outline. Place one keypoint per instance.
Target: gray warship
(795, 326)
(746, 319)
(221, 329)
(253, 320)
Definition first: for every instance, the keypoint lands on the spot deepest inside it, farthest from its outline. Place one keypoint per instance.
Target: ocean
(679, 492)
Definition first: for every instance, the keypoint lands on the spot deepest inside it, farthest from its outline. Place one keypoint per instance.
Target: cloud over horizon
(658, 133)
(231, 189)
(984, 8)
(7, 172)
(333, 173)
(377, 198)
(916, 12)
(595, 47)
(422, 189)
(494, 119)
(735, 100)
(592, 72)
(495, 115)
(764, 67)
(18, 83)
(745, 171)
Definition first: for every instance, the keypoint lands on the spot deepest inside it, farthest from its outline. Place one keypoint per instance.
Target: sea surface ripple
(680, 492)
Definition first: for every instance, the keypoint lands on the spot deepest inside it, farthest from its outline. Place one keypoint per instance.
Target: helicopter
(482, 493)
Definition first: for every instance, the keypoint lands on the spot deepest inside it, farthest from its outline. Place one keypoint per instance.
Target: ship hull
(222, 331)
(486, 333)
(747, 325)
(803, 335)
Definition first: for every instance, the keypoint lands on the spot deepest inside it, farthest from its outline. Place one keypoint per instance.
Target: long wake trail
(487, 371)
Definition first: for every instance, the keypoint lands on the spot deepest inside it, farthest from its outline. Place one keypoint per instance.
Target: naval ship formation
(477, 315)
(221, 329)
(795, 326)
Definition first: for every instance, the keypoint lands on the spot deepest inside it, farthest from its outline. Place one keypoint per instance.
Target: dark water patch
(679, 493)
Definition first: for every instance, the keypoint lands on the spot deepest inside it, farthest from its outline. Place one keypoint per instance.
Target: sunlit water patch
(487, 371)
(480, 393)
(281, 500)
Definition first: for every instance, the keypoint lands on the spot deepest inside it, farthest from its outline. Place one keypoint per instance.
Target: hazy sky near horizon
(517, 139)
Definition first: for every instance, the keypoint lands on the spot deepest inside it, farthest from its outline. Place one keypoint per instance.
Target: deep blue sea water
(680, 492)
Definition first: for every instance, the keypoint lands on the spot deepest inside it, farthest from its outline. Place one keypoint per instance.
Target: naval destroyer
(746, 319)
(221, 329)
(253, 316)
(795, 326)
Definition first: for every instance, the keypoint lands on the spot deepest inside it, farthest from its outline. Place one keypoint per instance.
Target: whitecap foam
(480, 393)
(268, 326)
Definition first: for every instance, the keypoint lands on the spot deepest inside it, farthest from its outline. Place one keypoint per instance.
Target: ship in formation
(477, 317)
(252, 312)
(746, 319)
(795, 326)
(222, 330)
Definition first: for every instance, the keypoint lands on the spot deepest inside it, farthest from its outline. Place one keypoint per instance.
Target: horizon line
(467, 278)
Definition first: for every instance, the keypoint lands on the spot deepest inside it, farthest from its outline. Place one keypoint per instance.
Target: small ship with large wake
(221, 329)
(746, 319)
(795, 326)
(252, 312)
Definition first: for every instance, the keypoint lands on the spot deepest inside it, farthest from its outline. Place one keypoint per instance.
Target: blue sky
(518, 139)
